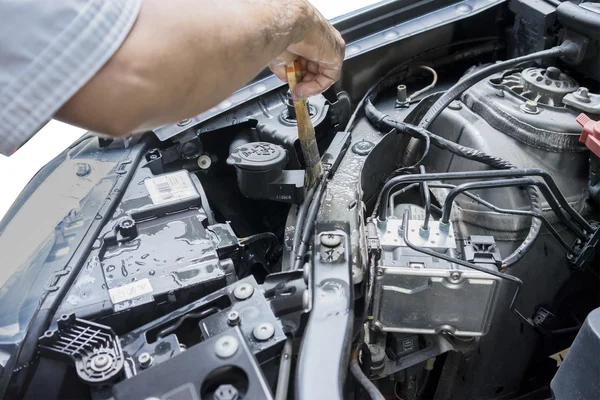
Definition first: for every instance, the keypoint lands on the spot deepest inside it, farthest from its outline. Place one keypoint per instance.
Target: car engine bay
(448, 251)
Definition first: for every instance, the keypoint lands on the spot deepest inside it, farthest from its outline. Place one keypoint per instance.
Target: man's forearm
(183, 57)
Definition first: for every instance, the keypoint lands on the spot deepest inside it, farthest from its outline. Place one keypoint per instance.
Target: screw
(331, 240)
(145, 360)
(184, 122)
(233, 318)
(264, 331)
(455, 276)
(101, 361)
(530, 107)
(582, 94)
(226, 346)
(226, 392)
(243, 291)
(204, 162)
(83, 169)
(379, 272)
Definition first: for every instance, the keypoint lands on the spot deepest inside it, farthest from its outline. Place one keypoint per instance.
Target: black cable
(384, 194)
(285, 366)
(310, 222)
(455, 91)
(198, 315)
(398, 68)
(467, 264)
(552, 202)
(274, 240)
(300, 220)
(362, 379)
(426, 199)
(499, 210)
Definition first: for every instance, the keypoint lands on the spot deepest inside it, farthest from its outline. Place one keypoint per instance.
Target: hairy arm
(184, 56)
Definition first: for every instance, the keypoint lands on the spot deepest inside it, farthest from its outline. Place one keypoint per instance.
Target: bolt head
(331, 240)
(226, 346)
(264, 331)
(530, 107)
(233, 318)
(226, 392)
(243, 291)
(101, 362)
(145, 360)
(379, 272)
(455, 276)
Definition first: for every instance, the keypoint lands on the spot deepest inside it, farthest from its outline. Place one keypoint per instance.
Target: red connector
(590, 134)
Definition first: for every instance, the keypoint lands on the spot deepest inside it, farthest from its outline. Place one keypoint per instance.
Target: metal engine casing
(417, 293)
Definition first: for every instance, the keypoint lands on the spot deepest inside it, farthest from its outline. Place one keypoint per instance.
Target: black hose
(579, 19)
(310, 222)
(285, 366)
(380, 120)
(447, 208)
(362, 379)
(455, 91)
(499, 210)
(197, 315)
(467, 264)
(300, 220)
(426, 199)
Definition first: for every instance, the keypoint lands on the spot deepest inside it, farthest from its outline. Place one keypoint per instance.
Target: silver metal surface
(391, 236)
(446, 15)
(226, 346)
(264, 331)
(584, 101)
(243, 291)
(233, 318)
(418, 293)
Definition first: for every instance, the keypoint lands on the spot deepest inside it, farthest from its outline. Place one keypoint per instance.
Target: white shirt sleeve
(49, 49)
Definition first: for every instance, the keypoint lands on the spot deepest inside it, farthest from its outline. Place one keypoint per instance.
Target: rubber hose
(579, 19)
(455, 91)
(362, 379)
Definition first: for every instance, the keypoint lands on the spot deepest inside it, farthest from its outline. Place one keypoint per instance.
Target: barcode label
(171, 187)
(130, 291)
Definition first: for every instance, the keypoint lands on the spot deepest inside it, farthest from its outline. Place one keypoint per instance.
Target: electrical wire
(274, 241)
(426, 88)
(455, 91)
(467, 264)
(394, 71)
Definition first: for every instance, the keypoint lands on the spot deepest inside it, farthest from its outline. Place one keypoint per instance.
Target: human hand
(318, 46)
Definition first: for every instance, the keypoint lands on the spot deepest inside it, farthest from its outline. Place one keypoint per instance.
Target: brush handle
(306, 131)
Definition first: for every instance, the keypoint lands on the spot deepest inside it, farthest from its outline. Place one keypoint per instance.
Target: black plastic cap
(258, 156)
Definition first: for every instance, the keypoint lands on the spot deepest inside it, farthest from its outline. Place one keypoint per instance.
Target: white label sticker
(130, 291)
(170, 187)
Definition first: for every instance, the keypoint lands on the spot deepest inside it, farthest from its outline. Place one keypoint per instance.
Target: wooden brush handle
(306, 131)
